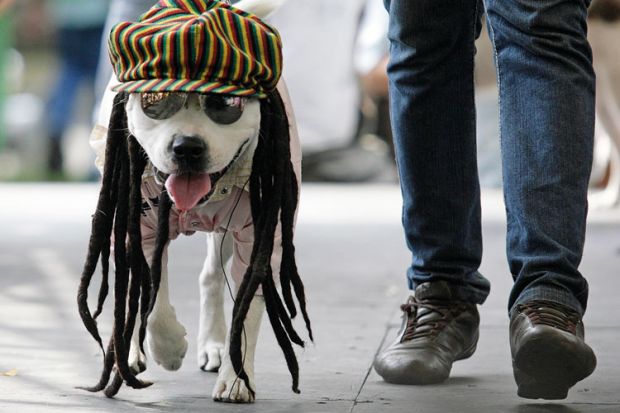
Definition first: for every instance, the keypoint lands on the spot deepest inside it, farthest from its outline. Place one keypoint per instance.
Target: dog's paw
(136, 360)
(166, 341)
(231, 389)
(210, 357)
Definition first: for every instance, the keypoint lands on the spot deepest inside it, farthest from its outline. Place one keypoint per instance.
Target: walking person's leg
(546, 85)
(433, 121)
(61, 103)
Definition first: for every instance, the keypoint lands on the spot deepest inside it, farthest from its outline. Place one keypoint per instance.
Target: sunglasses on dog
(219, 108)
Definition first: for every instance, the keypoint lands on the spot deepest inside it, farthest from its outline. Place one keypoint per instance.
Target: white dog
(201, 154)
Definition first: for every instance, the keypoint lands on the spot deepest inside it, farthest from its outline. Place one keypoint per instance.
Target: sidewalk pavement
(352, 256)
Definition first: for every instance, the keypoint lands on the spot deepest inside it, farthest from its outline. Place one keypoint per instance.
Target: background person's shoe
(549, 354)
(437, 330)
(367, 159)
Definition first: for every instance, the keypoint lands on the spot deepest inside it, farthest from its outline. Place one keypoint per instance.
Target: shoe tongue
(187, 189)
(436, 290)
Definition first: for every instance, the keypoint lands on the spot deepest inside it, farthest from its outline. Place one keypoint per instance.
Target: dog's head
(192, 138)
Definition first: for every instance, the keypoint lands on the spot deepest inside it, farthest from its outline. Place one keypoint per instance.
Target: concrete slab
(352, 257)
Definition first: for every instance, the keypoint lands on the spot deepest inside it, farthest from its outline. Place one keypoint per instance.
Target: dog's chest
(228, 209)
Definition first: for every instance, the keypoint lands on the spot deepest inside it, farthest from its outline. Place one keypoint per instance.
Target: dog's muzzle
(190, 185)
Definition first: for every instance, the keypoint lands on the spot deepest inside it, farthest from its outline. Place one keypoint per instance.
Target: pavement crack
(356, 400)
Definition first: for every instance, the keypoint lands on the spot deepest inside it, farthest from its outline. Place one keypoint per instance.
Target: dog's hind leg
(165, 335)
(212, 324)
(229, 387)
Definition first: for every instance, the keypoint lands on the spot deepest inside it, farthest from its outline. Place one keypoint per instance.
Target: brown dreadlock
(273, 194)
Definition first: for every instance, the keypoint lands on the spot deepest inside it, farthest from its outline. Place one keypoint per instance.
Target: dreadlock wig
(251, 68)
(273, 195)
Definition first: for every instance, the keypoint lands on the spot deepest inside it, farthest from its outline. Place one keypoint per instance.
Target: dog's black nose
(188, 148)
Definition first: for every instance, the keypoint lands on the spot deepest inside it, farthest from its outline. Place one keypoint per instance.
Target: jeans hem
(548, 293)
(460, 291)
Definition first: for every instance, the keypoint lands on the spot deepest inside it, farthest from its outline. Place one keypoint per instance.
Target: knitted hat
(196, 46)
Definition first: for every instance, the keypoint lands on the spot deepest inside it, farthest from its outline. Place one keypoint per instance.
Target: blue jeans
(546, 99)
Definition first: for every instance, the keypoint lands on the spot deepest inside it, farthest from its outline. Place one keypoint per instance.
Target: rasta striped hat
(204, 46)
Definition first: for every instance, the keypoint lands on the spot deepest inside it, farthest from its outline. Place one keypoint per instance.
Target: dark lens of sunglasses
(222, 109)
(161, 105)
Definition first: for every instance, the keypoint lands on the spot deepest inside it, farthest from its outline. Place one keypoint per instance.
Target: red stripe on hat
(139, 53)
(198, 52)
(251, 50)
(233, 34)
(117, 52)
(226, 65)
(220, 55)
(183, 49)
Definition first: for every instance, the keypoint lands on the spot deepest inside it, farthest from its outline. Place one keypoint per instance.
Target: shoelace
(415, 310)
(551, 314)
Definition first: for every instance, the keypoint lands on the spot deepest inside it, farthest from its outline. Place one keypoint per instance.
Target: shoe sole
(546, 369)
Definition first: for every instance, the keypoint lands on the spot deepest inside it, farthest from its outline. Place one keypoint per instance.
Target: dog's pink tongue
(186, 190)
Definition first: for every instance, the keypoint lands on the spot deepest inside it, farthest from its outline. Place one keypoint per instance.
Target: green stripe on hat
(196, 45)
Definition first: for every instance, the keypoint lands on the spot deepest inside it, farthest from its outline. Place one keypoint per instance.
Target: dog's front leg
(229, 387)
(212, 324)
(165, 335)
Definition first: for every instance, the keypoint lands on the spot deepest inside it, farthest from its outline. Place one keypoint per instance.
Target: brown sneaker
(549, 354)
(436, 331)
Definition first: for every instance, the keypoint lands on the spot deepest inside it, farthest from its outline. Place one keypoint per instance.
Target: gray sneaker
(549, 354)
(436, 331)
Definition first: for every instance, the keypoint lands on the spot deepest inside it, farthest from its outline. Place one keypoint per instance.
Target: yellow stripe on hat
(235, 66)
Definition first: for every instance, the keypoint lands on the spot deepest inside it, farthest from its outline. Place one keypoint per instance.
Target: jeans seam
(473, 63)
(498, 71)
